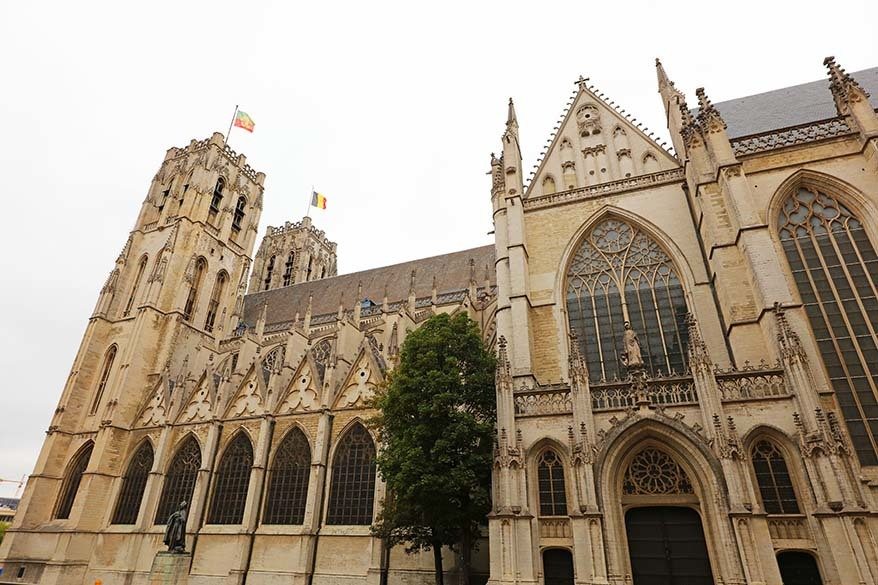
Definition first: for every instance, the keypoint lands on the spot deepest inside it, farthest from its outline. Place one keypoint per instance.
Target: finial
(708, 116)
(787, 338)
(845, 89)
(698, 354)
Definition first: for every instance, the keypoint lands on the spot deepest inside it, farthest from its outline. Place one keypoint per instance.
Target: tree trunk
(385, 560)
(466, 553)
(437, 563)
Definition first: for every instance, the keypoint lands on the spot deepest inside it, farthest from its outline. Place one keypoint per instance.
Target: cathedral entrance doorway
(798, 568)
(557, 567)
(667, 546)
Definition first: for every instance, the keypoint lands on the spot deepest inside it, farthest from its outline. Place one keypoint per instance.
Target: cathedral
(687, 380)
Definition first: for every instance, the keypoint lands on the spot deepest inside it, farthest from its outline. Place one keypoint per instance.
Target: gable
(249, 399)
(303, 394)
(200, 403)
(596, 144)
(361, 381)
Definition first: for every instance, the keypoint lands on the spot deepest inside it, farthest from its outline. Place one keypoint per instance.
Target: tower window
(288, 481)
(133, 485)
(232, 481)
(217, 199)
(773, 478)
(550, 474)
(310, 267)
(105, 375)
(72, 479)
(215, 298)
(238, 218)
(141, 268)
(288, 269)
(192, 298)
(269, 271)
(352, 493)
(180, 479)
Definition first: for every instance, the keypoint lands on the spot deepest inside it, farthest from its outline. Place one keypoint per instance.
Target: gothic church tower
(178, 283)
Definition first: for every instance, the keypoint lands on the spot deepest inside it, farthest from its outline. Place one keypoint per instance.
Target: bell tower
(292, 253)
(168, 301)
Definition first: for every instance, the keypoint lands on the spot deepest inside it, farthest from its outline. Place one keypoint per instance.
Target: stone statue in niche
(175, 531)
(631, 355)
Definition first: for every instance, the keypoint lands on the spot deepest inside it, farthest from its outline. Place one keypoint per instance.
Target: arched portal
(557, 567)
(667, 546)
(798, 568)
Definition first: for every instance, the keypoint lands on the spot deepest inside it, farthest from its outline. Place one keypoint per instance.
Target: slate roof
(789, 106)
(452, 272)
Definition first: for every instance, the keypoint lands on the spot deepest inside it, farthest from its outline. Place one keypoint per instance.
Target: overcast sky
(391, 110)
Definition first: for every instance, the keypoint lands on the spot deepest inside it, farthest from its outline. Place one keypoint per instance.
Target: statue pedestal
(169, 568)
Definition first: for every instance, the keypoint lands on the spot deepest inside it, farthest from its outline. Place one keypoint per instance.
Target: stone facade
(725, 418)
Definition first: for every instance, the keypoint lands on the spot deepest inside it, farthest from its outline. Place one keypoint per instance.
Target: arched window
(620, 274)
(352, 493)
(179, 480)
(133, 484)
(308, 272)
(773, 478)
(215, 297)
(550, 475)
(192, 297)
(71, 482)
(141, 268)
(549, 185)
(232, 481)
(836, 272)
(269, 270)
(288, 481)
(109, 358)
(238, 217)
(217, 199)
(288, 269)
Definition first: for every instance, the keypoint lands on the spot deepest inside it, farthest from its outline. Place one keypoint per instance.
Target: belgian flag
(318, 200)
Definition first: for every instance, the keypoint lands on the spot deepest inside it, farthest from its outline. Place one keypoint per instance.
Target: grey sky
(391, 110)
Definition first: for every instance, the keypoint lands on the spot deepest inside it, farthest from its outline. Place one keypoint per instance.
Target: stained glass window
(133, 484)
(179, 480)
(141, 268)
(192, 297)
(102, 382)
(288, 480)
(836, 272)
(773, 478)
(231, 483)
(352, 493)
(215, 299)
(288, 269)
(71, 482)
(550, 475)
(621, 274)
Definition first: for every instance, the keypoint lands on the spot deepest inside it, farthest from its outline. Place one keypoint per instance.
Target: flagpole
(310, 195)
(231, 124)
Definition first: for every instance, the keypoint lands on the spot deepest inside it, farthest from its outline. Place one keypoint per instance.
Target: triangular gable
(199, 406)
(250, 397)
(303, 393)
(154, 412)
(595, 144)
(361, 380)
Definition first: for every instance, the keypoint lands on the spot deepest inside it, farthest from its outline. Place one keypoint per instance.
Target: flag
(242, 120)
(318, 200)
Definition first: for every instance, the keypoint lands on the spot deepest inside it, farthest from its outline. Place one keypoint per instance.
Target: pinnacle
(511, 118)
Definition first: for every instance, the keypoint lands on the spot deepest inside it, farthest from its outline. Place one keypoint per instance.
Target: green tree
(3, 527)
(436, 420)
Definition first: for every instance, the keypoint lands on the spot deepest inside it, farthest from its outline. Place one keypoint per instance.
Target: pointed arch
(141, 269)
(773, 478)
(133, 484)
(288, 268)
(823, 230)
(232, 481)
(352, 488)
(217, 198)
(551, 484)
(216, 297)
(106, 369)
(619, 268)
(72, 478)
(180, 478)
(238, 215)
(288, 479)
(195, 283)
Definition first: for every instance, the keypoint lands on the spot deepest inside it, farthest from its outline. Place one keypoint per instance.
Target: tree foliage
(436, 421)
(3, 527)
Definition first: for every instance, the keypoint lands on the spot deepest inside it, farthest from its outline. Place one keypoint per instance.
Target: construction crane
(20, 483)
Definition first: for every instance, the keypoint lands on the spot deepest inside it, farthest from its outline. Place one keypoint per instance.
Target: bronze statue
(631, 355)
(175, 531)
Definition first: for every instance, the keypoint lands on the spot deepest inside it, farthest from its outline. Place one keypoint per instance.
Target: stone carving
(175, 531)
(359, 387)
(630, 355)
(199, 405)
(303, 395)
(154, 413)
(588, 120)
(654, 472)
(249, 401)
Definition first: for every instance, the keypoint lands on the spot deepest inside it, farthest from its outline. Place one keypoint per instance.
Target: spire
(511, 119)
(578, 370)
(412, 298)
(665, 85)
(472, 279)
(708, 116)
(385, 306)
(306, 323)
(845, 89)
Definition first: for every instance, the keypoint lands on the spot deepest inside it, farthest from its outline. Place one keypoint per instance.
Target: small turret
(293, 253)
